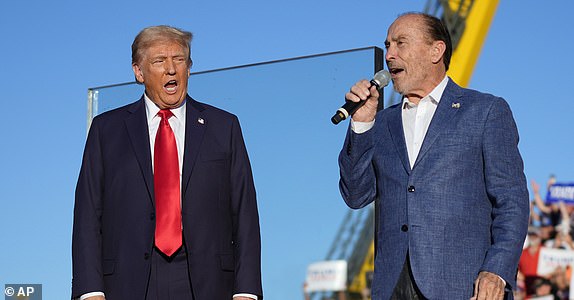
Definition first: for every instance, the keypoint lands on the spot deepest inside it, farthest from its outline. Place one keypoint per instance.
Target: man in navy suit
(165, 203)
(453, 210)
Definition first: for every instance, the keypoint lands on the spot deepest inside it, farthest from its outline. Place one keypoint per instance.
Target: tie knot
(165, 114)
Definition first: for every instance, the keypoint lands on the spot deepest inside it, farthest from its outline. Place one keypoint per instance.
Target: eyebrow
(163, 56)
(400, 37)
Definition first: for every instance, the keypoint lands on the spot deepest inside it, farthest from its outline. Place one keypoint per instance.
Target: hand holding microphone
(363, 94)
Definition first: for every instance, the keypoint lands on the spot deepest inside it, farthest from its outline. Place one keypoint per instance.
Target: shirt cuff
(92, 294)
(246, 295)
(503, 281)
(361, 127)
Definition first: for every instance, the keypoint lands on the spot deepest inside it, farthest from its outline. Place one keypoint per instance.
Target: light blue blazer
(462, 208)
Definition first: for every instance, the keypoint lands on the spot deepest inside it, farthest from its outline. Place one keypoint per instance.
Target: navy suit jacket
(114, 214)
(461, 209)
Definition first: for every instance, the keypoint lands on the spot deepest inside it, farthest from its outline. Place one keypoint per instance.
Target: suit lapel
(447, 108)
(137, 128)
(195, 126)
(398, 136)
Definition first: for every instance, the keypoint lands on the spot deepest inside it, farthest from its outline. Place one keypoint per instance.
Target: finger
(361, 91)
(374, 92)
(485, 288)
(364, 84)
(500, 295)
(500, 291)
(482, 294)
(476, 281)
(489, 289)
(352, 97)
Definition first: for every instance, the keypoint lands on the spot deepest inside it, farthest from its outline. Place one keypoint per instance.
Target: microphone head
(382, 78)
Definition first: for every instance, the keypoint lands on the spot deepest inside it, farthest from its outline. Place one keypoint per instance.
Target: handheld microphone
(380, 80)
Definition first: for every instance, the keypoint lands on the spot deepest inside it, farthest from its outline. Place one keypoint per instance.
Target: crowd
(550, 227)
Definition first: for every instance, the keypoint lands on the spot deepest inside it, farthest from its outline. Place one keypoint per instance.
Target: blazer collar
(137, 127)
(398, 135)
(196, 123)
(447, 108)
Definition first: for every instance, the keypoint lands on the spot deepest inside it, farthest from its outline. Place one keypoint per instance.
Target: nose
(390, 54)
(170, 67)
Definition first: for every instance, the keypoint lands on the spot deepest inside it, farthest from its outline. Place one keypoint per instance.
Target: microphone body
(380, 80)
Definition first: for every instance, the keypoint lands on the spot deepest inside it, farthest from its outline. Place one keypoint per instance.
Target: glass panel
(285, 109)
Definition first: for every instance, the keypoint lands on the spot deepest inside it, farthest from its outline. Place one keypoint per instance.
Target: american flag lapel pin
(456, 105)
(200, 121)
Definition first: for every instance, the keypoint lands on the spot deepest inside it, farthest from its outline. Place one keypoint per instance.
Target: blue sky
(52, 51)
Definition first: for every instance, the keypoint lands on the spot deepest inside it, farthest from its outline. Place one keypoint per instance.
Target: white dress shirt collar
(434, 95)
(152, 109)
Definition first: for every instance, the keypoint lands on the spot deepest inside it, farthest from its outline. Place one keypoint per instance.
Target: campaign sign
(550, 259)
(327, 276)
(561, 192)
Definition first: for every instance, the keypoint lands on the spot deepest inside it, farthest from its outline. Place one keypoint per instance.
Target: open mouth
(396, 71)
(170, 87)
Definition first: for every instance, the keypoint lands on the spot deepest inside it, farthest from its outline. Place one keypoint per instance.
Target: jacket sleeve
(507, 191)
(86, 237)
(246, 233)
(358, 181)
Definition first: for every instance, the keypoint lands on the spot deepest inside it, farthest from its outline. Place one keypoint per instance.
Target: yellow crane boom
(466, 53)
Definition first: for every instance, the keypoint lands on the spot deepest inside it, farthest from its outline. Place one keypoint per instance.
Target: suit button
(146, 256)
(152, 216)
(411, 189)
(404, 228)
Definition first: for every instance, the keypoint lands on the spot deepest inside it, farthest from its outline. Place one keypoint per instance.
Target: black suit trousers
(406, 288)
(169, 278)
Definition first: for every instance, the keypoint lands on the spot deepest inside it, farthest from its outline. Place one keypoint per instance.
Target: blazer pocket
(227, 262)
(109, 266)
(214, 156)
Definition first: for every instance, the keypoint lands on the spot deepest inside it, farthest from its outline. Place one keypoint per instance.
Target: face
(543, 290)
(412, 59)
(164, 70)
(533, 240)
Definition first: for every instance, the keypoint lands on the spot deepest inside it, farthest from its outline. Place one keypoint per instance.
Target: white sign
(550, 259)
(549, 297)
(327, 276)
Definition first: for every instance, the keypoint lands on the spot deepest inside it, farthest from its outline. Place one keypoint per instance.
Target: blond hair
(151, 35)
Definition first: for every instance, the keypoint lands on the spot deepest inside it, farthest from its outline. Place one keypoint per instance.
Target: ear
(189, 68)
(437, 51)
(138, 73)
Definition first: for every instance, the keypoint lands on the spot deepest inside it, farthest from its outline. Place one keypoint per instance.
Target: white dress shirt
(416, 120)
(177, 124)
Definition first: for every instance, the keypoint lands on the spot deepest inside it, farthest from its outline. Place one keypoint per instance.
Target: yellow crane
(478, 15)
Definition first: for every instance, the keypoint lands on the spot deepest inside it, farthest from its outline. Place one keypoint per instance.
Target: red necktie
(166, 185)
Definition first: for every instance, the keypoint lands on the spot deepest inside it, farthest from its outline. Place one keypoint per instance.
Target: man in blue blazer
(214, 240)
(444, 163)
